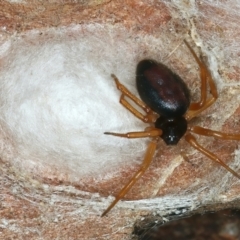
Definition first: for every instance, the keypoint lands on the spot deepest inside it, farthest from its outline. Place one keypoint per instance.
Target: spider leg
(150, 116)
(193, 142)
(215, 134)
(146, 162)
(191, 114)
(205, 75)
(149, 132)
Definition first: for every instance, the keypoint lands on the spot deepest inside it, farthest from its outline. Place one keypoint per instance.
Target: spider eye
(170, 138)
(173, 129)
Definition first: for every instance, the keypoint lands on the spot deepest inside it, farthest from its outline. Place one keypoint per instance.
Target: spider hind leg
(197, 107)
(150, 116)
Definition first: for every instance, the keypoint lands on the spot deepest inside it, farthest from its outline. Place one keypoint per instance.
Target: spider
(166, 103)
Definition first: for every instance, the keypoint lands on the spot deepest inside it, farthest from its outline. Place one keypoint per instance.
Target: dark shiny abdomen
(161, 89)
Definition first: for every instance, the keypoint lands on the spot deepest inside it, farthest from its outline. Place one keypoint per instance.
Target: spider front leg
(146, 162)
(193, 142)
(150, 116)
(149, 132)
(205, 75)
(216, 134)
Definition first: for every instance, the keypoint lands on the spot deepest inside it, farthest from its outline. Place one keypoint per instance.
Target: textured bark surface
(46, 199)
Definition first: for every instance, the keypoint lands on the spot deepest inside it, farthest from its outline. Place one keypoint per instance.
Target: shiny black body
(166, 94)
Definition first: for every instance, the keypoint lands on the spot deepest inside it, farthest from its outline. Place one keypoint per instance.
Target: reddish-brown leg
(216, 134)
(193, 142)
(150, 116)
(149, 132)
(198, 107)
(203, 76)
(146, 162)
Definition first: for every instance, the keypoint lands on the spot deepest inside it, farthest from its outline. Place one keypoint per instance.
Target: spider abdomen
(161, 89)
